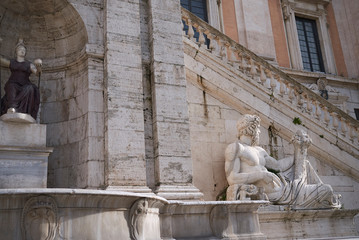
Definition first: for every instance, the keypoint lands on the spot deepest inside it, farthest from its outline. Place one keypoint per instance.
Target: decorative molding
(39, 218)
(18, 118)
(313, 10)
(214, 16)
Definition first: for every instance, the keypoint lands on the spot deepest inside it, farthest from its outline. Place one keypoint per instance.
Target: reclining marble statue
(253, 174)
(20, 94)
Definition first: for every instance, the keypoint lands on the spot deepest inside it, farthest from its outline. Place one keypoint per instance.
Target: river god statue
(291, 181)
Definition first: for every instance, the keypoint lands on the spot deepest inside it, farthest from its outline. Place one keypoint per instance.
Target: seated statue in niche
(20, 94)
(290, 181)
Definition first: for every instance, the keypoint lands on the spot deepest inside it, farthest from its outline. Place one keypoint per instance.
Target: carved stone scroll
(137, 216)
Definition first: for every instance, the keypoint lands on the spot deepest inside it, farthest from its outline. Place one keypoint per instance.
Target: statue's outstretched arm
(36, 67)
(4, 62)
(271, 162)
(252, 178)
(286, 163)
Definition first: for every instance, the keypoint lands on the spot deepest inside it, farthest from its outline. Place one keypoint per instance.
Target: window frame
(316, 42)
(314, 10)
(206, 17)
(214, 14)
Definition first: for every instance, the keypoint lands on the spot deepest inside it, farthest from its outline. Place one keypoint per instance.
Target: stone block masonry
(173, 163)
(125, 164)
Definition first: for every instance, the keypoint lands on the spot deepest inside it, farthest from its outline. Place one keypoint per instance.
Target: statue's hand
(269, 177)
(38, 64)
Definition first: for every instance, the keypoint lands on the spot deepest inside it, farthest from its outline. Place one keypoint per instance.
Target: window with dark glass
(197, 7)
(356, 110)
(309, 44)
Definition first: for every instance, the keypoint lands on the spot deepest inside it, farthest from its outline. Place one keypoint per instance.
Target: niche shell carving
(39, 219)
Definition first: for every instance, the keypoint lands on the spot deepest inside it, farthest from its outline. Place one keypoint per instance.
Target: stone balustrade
(281, 86)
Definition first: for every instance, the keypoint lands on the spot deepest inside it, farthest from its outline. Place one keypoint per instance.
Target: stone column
(125, 167)
(173, 163)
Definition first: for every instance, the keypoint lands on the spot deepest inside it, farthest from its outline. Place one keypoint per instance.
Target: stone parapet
(277, 222)
(78, 214)
(211, 220)
(103, 214)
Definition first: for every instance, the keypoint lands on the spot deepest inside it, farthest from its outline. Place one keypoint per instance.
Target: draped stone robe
(20, 93)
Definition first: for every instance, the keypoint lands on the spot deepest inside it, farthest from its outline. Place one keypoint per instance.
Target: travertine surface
(23, 155)
(124, 118)
(173, 162)
(308, 224)
(78, 214)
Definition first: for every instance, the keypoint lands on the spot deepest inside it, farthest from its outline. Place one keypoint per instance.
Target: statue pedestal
(23, 154)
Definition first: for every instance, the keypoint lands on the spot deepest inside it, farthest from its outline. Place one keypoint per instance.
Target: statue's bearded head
(248, 125)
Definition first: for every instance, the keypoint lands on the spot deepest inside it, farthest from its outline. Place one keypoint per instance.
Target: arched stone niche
(55, 32)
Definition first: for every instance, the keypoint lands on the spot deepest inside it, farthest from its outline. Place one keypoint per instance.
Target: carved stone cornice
(290, 6)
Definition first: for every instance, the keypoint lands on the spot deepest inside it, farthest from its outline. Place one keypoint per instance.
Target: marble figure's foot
(11, 110)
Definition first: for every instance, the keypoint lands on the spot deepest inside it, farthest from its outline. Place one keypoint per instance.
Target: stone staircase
(249, 84)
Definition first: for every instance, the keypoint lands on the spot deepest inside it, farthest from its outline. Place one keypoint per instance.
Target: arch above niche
(52, 29)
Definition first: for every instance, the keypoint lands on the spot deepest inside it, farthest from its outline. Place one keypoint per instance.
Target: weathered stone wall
(173, 163)
(124, 118)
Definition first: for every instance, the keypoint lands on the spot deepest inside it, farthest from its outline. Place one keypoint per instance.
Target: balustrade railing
(261, 72)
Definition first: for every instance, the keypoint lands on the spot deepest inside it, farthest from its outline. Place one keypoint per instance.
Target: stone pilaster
(173, 163)
(125, 167)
